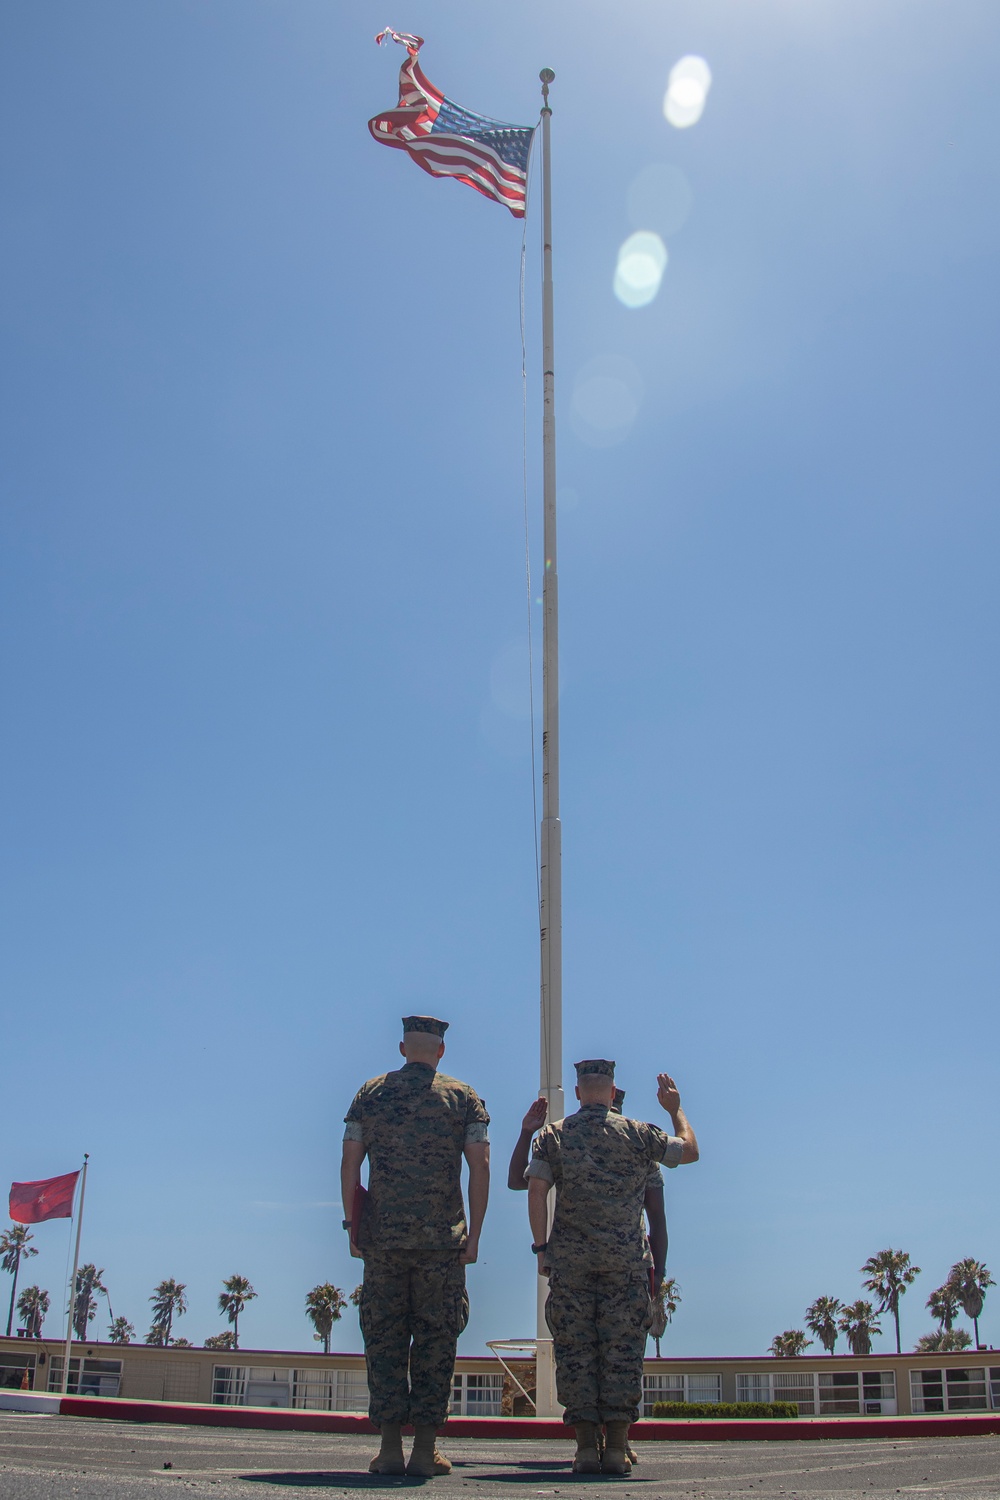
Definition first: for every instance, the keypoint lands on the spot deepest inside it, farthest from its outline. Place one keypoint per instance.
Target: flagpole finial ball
(547, 75)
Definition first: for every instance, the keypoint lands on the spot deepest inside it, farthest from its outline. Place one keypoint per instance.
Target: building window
(351, 1390)
(13, 1370)
(995, 1389)
(251, 1385)
(878, 1392)
(793, 1385)
(228, 1385)
(679, 1388)
(839, 1394)
(831, 1393)
(477, 1395)
(950, 1390)
(703, 1388)
(753, 1387)
(660, 1388)
(100, 1377)
(312, 1390)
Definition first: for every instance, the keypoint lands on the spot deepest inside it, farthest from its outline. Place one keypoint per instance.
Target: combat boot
(587, 1459)
(425, 1460)
(616, 1459)
(389, 1458)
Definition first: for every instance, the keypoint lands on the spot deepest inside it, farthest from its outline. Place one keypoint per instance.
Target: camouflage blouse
(415, 1124)
(600, 1165)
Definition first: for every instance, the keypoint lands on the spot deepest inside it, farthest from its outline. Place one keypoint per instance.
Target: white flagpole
(72, 1282)
(551, 875)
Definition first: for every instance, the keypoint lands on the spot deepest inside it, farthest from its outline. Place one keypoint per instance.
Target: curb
(698, 1430)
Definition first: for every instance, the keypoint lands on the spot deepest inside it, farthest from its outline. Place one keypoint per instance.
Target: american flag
(449, 141)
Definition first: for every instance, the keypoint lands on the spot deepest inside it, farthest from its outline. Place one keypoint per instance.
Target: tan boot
(616, 1460)
(633, 1457)
(587, 1459)
(389, 1458)
(425, 1460)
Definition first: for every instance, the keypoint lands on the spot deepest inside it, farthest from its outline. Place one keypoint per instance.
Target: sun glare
(687, 89)
(642, 261)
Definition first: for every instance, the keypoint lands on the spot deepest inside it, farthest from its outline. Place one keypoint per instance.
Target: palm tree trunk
(975, 1324)
(895, 1313)
(10, 1314)
(236, 1331)
(170, 1319)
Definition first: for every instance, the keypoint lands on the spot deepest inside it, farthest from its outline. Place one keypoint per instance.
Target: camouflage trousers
(413, 1307)
(598, 1321)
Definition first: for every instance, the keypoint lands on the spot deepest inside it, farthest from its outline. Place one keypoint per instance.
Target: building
(502, 1384)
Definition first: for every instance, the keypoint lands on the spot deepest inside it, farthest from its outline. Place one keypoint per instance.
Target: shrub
(725, 1409)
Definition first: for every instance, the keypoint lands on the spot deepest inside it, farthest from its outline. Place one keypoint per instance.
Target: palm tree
(121, 1331)
(670, 1296)
(220, 1340)
(859, 1322)
(324, 1305)
(944, 1303)
(155, 1336)
(970, 1278)
(88, 1285)
(32, 1305)
(889, 1273)
(821, 1319)
(356, 1294)
(169, 1303)
(182, 1344)
(238, 1292)
(790, 1344)
(14, 1248)
(944, 1341)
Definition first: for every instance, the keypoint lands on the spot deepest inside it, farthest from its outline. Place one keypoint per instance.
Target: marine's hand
(535, 1118)
(470, 1253)
(668, 1093)
(356, 1252)
(543, 1266)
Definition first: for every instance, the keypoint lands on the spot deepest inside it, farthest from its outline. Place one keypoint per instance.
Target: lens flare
(641, 263)
(607, 394)
(687, 89)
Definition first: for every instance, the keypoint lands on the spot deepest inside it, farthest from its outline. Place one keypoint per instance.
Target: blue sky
(266, 761)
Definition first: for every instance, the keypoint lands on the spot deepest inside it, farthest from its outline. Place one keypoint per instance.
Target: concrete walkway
(46, 1457)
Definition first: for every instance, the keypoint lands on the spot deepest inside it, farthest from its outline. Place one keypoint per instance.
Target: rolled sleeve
(353, 1131)
(673, 1151)
(539, 1168)
(477, 1133)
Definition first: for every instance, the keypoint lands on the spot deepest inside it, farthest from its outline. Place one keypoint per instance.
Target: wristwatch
(537, 1249)
(345, 1223)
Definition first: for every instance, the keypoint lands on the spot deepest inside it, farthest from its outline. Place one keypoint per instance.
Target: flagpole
(550, 914)
(72, 1280)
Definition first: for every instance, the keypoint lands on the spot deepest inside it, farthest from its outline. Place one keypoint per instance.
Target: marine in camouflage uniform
(414, 1125)
(597, 1256)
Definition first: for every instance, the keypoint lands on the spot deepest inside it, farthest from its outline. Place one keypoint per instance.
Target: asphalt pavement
(66, 1457)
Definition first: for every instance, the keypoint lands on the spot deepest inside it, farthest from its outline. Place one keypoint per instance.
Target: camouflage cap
(425, 1023)
(595, 1065)
(618, 1101)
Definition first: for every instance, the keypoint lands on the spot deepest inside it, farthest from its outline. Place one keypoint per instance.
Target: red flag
(33, 1202)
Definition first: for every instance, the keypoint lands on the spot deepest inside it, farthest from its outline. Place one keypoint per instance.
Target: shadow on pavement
(335, 1479)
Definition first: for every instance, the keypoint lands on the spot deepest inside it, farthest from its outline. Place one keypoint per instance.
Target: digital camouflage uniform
(415, 1124)
(598, 1308)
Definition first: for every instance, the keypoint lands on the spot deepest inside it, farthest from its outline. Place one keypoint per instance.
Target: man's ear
(576, 1091)
(402, 1050)
(440, 1050)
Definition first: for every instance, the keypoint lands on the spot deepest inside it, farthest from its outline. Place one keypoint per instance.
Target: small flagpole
(550, 914)
(72, 1280)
